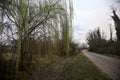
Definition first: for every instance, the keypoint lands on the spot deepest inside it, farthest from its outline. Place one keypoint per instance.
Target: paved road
(110, 66)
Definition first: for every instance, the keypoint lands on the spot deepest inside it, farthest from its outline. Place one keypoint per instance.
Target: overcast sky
(90, 14)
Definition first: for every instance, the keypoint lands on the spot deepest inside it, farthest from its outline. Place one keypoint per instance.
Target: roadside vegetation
(83, 69)
(51, 67)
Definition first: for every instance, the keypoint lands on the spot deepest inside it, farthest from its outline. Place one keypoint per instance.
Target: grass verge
(81, 68)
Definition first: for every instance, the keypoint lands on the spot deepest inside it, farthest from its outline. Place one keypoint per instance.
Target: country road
(108, 65)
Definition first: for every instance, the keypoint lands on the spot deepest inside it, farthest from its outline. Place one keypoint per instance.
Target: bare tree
(111, 33)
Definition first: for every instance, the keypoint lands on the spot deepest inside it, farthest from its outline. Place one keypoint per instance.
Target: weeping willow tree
(39, 26)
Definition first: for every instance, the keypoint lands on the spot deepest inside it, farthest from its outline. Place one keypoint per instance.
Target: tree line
(98, 43)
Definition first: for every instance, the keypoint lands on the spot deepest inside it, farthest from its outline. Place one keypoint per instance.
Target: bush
(74, 49)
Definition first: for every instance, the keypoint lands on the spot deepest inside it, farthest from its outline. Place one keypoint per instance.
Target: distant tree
(83, 46)
(95, 39)
(111, 34)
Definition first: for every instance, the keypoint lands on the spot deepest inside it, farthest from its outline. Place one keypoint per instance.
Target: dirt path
(108, 65)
